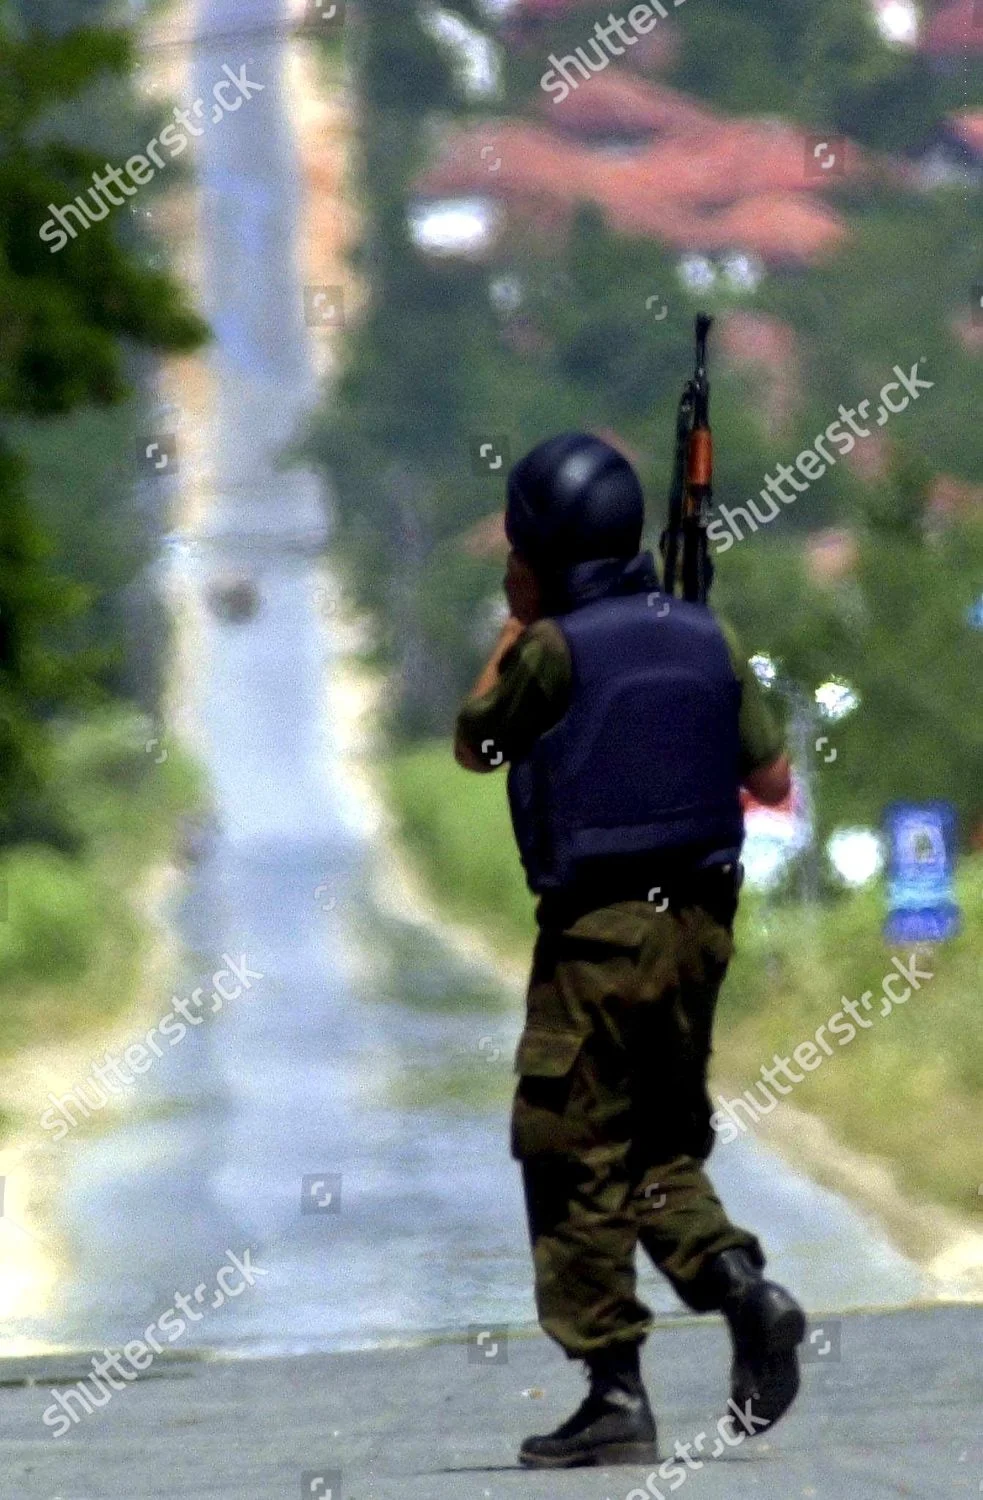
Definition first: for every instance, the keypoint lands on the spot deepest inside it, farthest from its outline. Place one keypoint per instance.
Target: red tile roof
(755, 338)
(969, 334)
(967, 124)
(617, 101)
(542, 7)
(952, 497)
(767, 349)
(780, 226)
(954, 30)
(719, 184)
(830, 555)
(486, 538)
(870, 459)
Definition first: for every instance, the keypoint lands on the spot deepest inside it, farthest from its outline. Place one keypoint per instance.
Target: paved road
(897, 1414)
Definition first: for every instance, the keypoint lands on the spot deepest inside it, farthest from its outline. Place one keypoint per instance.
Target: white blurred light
(898, 21)
(477, 57)
(773, 838)
(836, 699)
(743, 272)
(764, 669)
(454, 228)
(766, 861)
(856, 855)
(697, 272)
(490, 616)
(505, 293)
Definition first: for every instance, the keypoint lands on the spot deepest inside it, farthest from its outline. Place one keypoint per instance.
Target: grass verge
(72, 940)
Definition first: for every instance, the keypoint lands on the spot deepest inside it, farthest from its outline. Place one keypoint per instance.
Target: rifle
(684, 542)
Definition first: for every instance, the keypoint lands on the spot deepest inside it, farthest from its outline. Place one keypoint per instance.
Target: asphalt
(890, 1406)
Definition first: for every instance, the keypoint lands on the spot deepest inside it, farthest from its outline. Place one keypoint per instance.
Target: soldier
(629, 721)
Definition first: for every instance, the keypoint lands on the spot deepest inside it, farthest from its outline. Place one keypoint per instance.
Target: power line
(205, 39)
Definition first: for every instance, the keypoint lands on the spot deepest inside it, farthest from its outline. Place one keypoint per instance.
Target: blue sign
(921, 865)
(975, 615)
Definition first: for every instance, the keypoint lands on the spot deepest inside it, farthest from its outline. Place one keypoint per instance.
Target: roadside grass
(456, 826)
(909, 1089)
(72, 941)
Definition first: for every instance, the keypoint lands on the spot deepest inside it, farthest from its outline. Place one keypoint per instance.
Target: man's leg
(683, 1226)
(583, 1235)
(569, 1131)
(682, 1223)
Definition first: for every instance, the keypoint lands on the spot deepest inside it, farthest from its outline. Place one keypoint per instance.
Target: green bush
(55, 908)
(72, 942)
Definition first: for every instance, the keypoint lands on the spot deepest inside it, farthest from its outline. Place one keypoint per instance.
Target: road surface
(896, 1414)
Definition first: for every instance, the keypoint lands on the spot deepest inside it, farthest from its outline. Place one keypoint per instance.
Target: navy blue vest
(646, 760)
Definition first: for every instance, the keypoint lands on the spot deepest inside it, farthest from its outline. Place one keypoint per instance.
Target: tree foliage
(70, 326)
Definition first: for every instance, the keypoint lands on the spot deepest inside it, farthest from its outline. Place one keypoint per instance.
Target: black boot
(767, 1325)
(614, 1425)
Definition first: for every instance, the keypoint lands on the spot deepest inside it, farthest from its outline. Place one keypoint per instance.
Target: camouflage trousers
(611, 1120)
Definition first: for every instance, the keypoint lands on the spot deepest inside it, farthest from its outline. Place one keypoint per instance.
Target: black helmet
(574, 499)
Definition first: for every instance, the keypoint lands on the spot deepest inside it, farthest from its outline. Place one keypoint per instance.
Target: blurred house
(968, 328)
(621, 107)
(486, 539)
(658, 164)
(955, 155)
(952, 499)
(830, 555)
(534, 18)
(870, 460)
(953, 35)
(764, 348)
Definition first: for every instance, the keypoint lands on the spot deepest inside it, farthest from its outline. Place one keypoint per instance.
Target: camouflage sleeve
(531, 696)
(762, 741)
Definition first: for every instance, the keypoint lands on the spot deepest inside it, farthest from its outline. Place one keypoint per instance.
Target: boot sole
(774, 1351)
(594, 1458)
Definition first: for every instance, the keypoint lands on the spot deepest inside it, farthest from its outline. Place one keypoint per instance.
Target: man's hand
(771, 784)
(511, 632)
(522, 589)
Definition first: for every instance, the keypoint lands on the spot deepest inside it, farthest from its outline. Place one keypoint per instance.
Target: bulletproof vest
(646, 759)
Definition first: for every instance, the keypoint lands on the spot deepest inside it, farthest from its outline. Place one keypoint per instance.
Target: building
(955, 155)
(620, 108)
(953, 35)
(658, 164)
